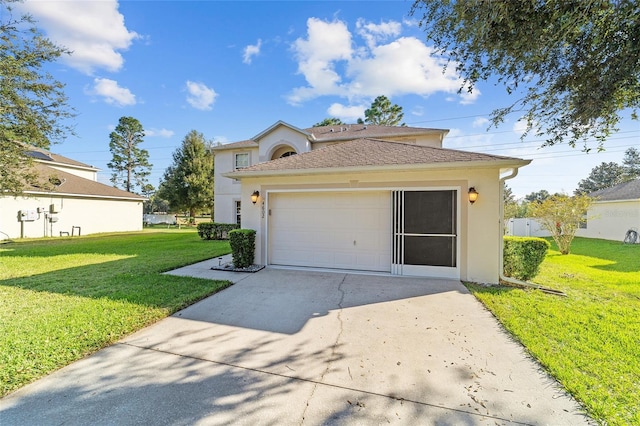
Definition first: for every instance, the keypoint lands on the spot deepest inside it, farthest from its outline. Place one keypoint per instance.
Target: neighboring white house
(361, 197)
(70, 201)
(615, 211)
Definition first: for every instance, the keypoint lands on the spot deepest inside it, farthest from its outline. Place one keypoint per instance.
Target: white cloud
(94, 31)
(326, 43)
(480, 122)
(250, 51)
(200, 96)
(346, 113)
(376, 33)
(520, 127)
(112, 93)
(161, 133)
(402, 66)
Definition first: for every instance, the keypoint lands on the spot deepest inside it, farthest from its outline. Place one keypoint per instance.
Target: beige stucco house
(615, 211)
(369, 198)
(70, 201)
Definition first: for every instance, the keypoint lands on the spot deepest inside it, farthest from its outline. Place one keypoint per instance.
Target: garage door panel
(319, 230)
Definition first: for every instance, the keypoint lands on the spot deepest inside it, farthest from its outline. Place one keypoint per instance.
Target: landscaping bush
(243, 247)
(215, 231)
(523, 255)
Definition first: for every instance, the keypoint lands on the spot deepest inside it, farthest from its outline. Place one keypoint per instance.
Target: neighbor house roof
(42, 155)
(372, 154)
(60, 182)
(625, 191)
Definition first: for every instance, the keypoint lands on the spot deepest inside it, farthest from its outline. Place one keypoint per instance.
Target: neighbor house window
(242, 160)
(238, 213)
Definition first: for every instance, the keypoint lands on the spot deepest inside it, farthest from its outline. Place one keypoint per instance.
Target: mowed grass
(589, 340)
(62, 299)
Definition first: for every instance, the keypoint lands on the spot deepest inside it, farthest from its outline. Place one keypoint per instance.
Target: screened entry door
(425, 233)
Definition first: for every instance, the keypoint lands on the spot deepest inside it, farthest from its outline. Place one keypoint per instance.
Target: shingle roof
(356, 131)
(372, 153)
(44, 155)
(236, 145)
(342, 133)
(76, 185)
(625, 191)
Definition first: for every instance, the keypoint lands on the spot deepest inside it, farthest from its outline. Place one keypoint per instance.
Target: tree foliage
(33, 105)
(130, 163)
(537, 196)
(188, 183)
(331, 121)
(603, 176)
(576, 59)
(383, 113)
(631, 164)
(561, 215)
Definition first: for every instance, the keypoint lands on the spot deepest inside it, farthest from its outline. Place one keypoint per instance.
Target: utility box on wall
(27, 215)
(53, 208)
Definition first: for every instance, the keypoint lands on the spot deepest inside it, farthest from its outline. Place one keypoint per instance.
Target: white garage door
(342, 230)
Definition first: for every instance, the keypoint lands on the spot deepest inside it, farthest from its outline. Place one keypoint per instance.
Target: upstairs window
(241, 160)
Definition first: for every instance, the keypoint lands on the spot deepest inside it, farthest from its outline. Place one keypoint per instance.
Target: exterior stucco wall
(610, 220)
(91, 215)
(280, 137)
(83, 173)
(227, 190)
(479, 227)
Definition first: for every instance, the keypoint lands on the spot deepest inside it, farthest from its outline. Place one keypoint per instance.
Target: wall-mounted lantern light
(254, 196)
(473, 195)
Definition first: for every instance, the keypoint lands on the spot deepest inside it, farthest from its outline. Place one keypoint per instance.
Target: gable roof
(629, 190)
(371, 154)
(343, 132)
(356, 131)
(72, 185)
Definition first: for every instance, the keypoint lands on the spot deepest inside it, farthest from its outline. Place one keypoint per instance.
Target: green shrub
(523, 255)
(243, 247)
(215, 231)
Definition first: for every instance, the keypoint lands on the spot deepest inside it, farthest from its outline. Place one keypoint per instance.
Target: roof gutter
(504, 278)
(365, 169)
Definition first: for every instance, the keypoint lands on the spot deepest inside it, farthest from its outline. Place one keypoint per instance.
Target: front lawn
(589, 340)
(64, 298)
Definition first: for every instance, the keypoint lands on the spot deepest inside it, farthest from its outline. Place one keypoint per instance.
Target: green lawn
(64, 298)
(589, 340)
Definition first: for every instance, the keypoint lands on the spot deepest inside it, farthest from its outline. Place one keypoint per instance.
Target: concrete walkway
(285, 347)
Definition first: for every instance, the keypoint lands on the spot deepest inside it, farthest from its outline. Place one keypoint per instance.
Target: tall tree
(561, 215)
(383, 113)
(603, 176)
(332, 121)
(631, 164)
(33, 105)
(130, 163)
(538, 196)
(577, 59)
(188, 183)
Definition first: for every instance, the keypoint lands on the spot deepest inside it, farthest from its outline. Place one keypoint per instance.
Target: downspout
(510, 280)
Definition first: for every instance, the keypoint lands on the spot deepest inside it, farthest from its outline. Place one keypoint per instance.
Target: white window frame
(237, 205)
(241, 155)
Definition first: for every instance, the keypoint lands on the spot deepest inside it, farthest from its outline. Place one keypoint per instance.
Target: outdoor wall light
(473, 195)
(254, 196)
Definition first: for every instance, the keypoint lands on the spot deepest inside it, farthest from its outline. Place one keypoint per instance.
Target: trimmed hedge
(523, 255)
(215, 231)
(243, 247)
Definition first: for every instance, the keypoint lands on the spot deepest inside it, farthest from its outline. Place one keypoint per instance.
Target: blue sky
(230, 69)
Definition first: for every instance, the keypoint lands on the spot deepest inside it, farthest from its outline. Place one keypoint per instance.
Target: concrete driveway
(285, 347)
